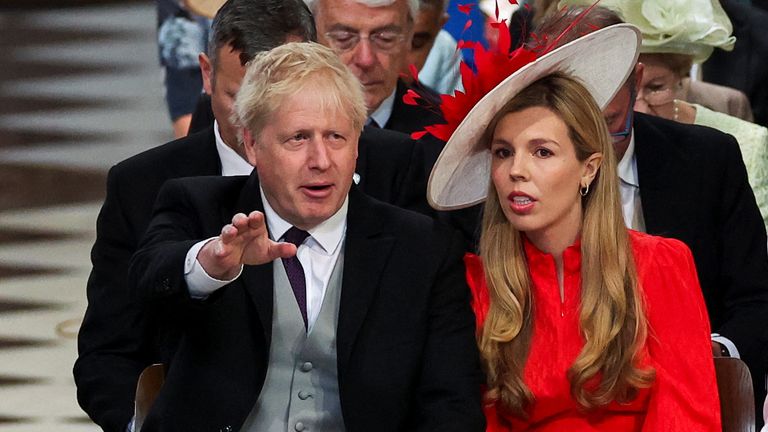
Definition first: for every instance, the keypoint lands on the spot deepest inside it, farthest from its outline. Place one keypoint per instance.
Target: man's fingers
(256, 220)
(240, 221)
(281, 250)
(228, 233)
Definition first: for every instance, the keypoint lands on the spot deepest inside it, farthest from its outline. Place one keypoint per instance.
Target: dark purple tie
(295, 271)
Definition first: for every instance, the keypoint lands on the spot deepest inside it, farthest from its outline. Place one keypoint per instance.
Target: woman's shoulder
(655, 256)
(746, 133)
(662, 263)
(647, 246)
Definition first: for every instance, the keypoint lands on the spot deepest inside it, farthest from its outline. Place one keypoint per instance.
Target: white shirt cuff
(199, 283)
(730, 346)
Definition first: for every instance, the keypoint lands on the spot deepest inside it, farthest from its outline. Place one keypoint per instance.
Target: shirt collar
(384, 111)
(540, 262)
(328, 234)
(628, 164)
(232, 163)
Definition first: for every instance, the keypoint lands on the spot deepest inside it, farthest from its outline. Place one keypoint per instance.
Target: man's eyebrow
(343, 27)
(347, 28)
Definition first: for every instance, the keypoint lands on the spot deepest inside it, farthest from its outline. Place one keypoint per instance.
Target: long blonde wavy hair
(611, 316)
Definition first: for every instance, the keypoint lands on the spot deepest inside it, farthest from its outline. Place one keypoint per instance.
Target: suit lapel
(366, 253)
(660, 184)
(257, 279)
(362, 159)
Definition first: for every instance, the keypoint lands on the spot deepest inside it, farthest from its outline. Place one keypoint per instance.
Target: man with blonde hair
(312, 306)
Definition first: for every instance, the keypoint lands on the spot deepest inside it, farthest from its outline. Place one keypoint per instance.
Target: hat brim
(601, 61)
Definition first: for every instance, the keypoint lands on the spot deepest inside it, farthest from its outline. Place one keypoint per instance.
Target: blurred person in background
(746, 67)
(433, 51)
(181, 36)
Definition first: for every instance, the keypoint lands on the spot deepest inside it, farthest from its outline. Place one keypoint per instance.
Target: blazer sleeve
(684, 395)
(156, 273)
(450, 401)
(111, 342)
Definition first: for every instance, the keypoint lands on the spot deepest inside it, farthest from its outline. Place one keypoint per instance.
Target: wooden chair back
(737, 403)
(147, 389)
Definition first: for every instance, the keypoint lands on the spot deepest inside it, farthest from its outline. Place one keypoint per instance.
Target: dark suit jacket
(406, 352)
(746, 67)
(411, 118)
(119, 337)
(693, 187)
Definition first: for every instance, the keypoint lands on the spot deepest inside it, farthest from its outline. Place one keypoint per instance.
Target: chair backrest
(737, 403)
(150, 382)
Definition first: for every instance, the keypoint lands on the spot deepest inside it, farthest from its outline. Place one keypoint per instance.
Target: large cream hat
(601, 60)
(690, 27)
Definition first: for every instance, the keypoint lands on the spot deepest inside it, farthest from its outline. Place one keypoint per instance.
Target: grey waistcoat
(301, 389)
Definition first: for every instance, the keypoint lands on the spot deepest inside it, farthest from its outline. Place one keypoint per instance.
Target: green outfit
(753, 142)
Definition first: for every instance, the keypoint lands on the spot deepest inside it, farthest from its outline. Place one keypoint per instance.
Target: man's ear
(443, 20)
(591, 168)
(206, 68)
(639, 69)
(249, 145)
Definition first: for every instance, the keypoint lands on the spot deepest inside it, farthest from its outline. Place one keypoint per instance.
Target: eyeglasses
(657, 97)
(383, 40)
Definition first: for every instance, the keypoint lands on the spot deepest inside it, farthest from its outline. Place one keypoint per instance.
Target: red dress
(684, 395)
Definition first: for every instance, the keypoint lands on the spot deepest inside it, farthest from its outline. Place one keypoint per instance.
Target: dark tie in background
(295, 271)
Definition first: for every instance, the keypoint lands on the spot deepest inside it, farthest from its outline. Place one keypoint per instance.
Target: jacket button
(304, 395)
(164, 285)
(299, 426)
(306, 367)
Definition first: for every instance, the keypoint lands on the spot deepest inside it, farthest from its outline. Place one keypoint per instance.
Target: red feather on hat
(496, 64)
(493, 66)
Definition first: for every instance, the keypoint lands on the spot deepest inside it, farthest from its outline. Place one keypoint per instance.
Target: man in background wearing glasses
(373, 37)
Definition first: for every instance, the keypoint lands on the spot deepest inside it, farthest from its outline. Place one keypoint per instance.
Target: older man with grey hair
(312, 306)
(373, 38)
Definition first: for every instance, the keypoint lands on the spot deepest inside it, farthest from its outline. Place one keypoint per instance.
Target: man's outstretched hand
(244, 241)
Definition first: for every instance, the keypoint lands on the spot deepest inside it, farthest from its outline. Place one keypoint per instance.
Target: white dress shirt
(317, 255)
(232, 163)
(629, 186)
(631, 205)
(383, 112)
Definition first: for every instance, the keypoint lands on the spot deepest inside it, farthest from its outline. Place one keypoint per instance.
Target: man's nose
(642, 106)
(364, 55)
(319, 157)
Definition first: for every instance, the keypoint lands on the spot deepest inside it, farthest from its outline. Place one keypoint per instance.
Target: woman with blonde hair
(583, 325)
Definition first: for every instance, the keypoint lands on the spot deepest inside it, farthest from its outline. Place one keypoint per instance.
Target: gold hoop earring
(584, 190)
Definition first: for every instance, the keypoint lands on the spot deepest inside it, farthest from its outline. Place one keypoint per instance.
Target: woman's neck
(555, 241)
